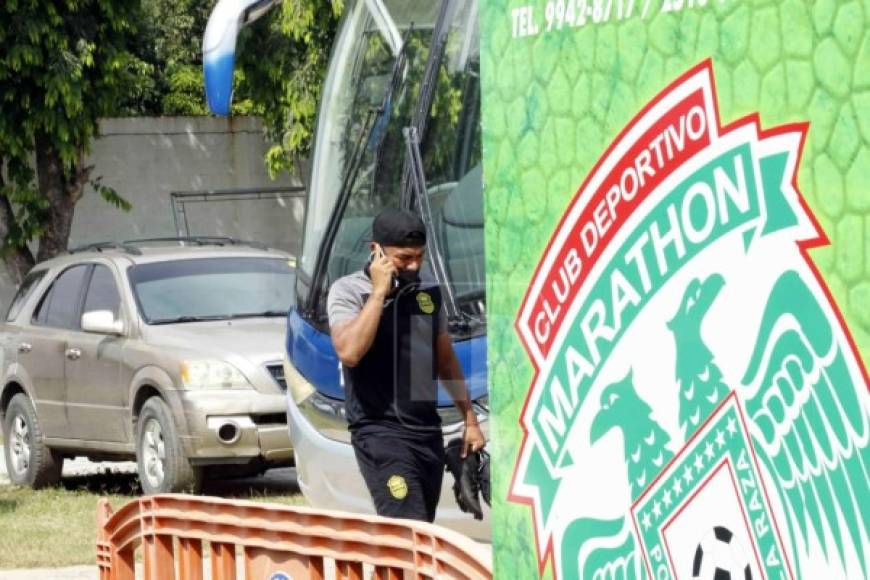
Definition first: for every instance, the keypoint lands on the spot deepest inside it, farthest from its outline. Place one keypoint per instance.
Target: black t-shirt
(395, 384)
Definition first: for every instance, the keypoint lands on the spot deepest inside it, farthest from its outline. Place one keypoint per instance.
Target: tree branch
(75, 186)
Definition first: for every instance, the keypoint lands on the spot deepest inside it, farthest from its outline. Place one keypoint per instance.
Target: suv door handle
(25, 347)
(73, 353)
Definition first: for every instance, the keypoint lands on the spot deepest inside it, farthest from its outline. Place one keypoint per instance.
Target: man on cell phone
(390, 332)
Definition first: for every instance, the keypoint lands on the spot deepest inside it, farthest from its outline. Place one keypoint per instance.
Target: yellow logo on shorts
(398, 487)
(425, 302)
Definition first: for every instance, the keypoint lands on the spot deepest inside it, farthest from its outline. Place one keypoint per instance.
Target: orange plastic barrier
(274, 542)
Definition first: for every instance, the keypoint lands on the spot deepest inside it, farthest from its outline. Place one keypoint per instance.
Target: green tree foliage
(170, 40)
(284, 87)
(169, 43)
(281, 61)
(66, 63)
(63, 65)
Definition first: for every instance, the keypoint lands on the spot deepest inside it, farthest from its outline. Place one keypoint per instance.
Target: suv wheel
(163, 466)
(28, 461)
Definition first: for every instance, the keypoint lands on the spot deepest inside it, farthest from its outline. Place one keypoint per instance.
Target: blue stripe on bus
(218, 72)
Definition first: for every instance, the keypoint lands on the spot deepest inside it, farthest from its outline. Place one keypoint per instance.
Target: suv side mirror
(102, 322)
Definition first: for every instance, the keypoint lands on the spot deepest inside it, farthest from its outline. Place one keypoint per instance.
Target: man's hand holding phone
(382, 271)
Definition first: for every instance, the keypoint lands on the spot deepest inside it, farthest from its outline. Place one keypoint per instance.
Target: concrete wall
(145, 159)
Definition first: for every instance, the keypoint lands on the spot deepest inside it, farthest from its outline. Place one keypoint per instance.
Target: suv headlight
(212, 374)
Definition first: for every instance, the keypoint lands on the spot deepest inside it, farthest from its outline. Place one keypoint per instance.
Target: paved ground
(70, 573)
(89, 572)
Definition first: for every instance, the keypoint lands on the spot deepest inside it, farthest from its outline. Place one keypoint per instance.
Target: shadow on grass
(104, 483)
(274, 483)
(8, 505)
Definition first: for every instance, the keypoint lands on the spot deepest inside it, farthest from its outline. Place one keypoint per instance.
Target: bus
(398, 126)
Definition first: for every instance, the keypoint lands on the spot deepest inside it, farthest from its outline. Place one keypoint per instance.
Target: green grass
(57, 527)
(52, 527)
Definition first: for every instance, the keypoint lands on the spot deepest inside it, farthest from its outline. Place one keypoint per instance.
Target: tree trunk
(62, 191)
(18, 260)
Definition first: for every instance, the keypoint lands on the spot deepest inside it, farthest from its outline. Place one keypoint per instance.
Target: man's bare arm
(353, 339)
(451, 375)
(453, 379)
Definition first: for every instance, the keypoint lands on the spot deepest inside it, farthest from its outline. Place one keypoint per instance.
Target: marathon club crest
(699, 409)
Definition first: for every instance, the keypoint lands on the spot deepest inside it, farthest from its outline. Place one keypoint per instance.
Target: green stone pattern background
(553, 103)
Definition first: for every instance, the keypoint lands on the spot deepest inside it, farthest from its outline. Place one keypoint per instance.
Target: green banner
(677, 203)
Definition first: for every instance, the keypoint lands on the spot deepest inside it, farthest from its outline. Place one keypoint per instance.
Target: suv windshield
(212, 289)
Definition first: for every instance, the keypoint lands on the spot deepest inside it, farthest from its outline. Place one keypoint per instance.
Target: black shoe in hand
(466, 478)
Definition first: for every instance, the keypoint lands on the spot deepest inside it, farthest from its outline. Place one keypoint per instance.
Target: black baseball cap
(396, 227)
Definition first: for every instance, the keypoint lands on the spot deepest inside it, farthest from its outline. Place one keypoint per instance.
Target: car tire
(163, 465)
(28, 461)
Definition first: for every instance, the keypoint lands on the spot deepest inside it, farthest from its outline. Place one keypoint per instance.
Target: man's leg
(389, 468)
(430, 461)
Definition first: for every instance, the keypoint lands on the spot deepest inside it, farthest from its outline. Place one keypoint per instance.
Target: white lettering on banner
(555, 422)
(687, 129)
(691, 126)
(524, 22)
(664, 243)
(576, 14)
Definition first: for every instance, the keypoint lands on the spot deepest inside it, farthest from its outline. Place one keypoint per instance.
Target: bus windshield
(358, 79)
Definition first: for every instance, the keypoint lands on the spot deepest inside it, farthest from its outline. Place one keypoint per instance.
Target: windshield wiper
(372, 135)
(188, 318)
(382, 123)
(262, 314)
(338, 210)
(423, 106)
(414, 174)
(433, 244)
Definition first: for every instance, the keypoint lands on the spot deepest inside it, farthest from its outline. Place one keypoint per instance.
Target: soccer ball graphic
(720, 557)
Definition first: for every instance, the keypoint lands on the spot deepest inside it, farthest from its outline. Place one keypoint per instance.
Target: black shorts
(403, 474)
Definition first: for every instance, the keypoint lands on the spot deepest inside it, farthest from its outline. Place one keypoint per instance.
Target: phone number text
(561, 14)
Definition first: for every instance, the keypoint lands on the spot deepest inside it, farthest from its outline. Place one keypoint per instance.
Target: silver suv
(169, 351)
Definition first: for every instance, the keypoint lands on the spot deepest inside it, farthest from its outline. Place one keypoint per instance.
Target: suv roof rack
(100, 246)
(200, 241)
(129, 246)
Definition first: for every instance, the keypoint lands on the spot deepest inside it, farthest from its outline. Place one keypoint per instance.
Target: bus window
(360, 68)
(450, 150)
